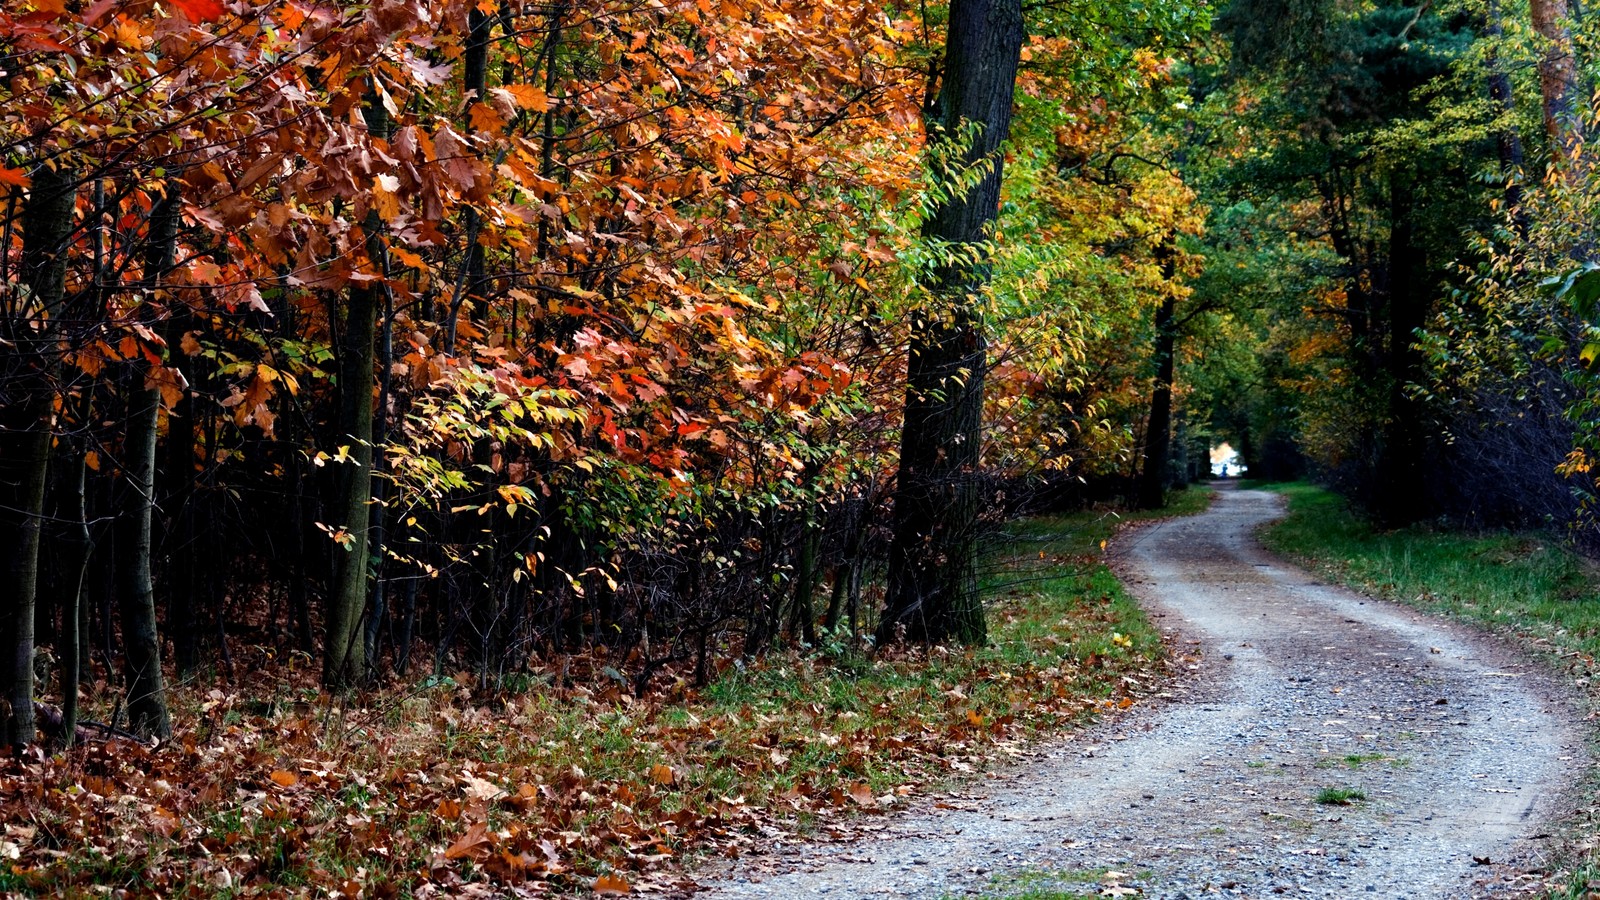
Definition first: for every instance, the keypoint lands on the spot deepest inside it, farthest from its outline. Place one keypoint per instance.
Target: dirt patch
(1461, 750)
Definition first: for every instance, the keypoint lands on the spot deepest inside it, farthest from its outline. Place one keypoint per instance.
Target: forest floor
(1316, 743)
(560, 779)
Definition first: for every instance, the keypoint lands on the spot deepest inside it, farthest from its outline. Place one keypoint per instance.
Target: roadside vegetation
(1528, 584)
(574, 781)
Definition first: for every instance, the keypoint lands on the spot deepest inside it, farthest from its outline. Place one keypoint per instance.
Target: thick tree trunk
(27, 403)
(1558, 78)
(932, 589)
(344, 659)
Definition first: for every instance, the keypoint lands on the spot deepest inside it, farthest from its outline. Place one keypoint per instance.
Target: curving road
(1463, 750)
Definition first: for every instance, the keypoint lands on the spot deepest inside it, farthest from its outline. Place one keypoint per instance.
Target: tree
(32, 310)
(933, 592)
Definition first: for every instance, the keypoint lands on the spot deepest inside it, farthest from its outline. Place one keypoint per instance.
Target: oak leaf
(475, 844)
(527, 96)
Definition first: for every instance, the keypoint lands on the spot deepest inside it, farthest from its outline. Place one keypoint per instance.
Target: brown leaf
(475, 844)
(862, 795)
(661, 774)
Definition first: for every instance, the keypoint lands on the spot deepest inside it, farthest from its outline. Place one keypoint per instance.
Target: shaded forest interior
(599, 340)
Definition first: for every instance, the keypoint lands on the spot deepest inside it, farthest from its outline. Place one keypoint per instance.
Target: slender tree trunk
(1158, 433)
(1508, 140)
(75, 571)
(147, 703)
(932, 587)
(1401, 467)
(474, 82)
(802, 614)
(147, 696)
(344, 659)
(27, 408)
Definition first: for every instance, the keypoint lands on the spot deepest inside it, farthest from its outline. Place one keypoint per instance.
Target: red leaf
(200, 10)
(14, 176)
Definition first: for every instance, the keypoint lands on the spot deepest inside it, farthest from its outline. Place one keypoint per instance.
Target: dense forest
(632, 340)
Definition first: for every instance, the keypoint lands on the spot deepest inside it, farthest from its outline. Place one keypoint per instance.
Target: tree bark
(344, 659)
(1158, 434)
(147, 695)
(75, 568)
(1558, 79)
(27, 406)
(932, 579)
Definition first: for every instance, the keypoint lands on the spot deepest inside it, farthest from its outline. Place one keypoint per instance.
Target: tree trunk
(1507, 139)
(344, 659)
(932, 580)
(1558, 79)
(147, 704)
(1400, 499)
(1158, 434)
(27, 404)
(75, 569)
(147, 696)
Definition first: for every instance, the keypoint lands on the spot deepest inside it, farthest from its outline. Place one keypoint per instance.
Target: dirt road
(1462, 750)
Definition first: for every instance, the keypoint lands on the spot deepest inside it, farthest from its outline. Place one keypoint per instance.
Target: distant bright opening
(1225, 462)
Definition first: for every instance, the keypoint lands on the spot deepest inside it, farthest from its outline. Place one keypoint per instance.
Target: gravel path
(1462, 749)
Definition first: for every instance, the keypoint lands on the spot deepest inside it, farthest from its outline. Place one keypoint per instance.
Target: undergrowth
(445, 789)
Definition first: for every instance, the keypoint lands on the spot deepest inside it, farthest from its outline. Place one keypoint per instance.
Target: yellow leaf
(974, 719)
(384, 199)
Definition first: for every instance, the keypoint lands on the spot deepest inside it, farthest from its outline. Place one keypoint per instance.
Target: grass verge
(1528, 586)
(442, 790)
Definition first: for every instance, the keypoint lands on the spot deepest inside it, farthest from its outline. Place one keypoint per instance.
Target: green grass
(1340, 796)
(1528, 583)
(1353, 760)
